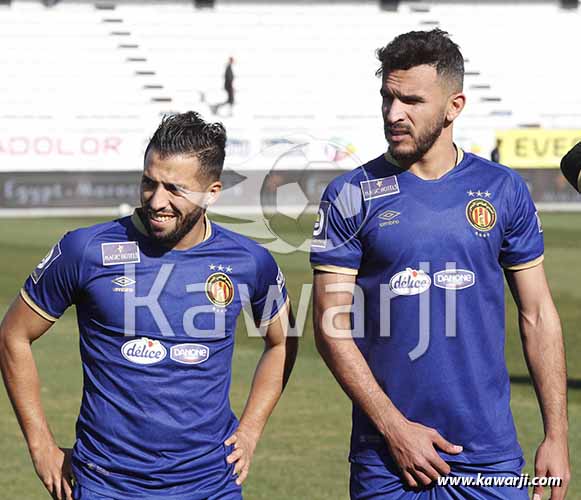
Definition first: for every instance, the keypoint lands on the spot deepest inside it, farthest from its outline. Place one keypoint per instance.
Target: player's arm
(542, 341)
(270, 378)
(22, 326)
(412, 445)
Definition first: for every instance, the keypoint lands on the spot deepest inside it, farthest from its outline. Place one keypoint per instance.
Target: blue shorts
(374, 482)
(82, 493)
(215, 481)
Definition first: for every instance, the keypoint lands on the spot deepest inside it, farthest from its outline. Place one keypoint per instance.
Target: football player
(157, 295)
(409, 253)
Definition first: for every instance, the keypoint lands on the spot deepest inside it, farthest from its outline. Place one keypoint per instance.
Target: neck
(194, 237)
(437, 162)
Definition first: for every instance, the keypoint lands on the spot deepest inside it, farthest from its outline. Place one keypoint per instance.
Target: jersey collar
(459, 157)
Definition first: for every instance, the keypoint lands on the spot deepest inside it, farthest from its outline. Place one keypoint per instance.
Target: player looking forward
(157, 295)
(418, 240)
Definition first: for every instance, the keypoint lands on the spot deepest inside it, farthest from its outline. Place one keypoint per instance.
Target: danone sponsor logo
(454, 279)
(143, 351)
(410, 282)
(189, 354)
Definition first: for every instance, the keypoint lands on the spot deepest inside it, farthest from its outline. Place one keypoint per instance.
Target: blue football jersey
(428, 256)
(156, 339)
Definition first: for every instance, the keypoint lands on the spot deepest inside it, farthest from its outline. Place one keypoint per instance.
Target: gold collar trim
(459, 157)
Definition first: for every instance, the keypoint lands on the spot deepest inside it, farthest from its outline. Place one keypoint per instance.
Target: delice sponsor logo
(410, 282)
(454, 279)
(189, 354)
(143, 351)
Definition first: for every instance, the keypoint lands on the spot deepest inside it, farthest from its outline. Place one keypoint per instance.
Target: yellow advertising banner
(535, 148)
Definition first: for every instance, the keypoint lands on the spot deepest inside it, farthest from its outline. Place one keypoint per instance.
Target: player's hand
(552, 460)
(413, 447)
(244, 446)
(53, 467)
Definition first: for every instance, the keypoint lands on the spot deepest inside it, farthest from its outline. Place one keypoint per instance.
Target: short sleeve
(523, 244)
(53, 285)
(336, 246)
(269, 294)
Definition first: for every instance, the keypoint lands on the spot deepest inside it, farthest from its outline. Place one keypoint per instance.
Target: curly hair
(188, 134)
(423, 47)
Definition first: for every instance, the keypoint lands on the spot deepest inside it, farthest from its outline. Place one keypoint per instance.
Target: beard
(423, 144)
(173, 237)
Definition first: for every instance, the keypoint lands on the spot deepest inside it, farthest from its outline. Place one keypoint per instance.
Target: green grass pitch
(303, 454)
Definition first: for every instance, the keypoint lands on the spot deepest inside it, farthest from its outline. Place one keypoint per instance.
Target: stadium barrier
(48, 194)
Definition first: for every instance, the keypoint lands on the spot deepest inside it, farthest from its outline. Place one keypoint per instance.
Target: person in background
(495, 153)
(228, 87)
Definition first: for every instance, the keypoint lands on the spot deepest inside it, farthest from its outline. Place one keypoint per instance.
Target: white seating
(315, 61)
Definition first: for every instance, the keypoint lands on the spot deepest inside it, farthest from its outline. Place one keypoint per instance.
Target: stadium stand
(90, 79)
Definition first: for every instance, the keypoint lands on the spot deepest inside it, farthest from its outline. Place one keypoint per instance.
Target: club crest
(220, 289)
(481, 214)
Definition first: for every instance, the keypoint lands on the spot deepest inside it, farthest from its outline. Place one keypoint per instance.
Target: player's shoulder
(227, 238)
(83, 235)
(372, 170)
(367, 171)
(483, 167)
(78, 241)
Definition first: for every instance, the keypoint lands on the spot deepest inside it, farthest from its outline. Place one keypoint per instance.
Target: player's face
(173, 196)
(414, 111)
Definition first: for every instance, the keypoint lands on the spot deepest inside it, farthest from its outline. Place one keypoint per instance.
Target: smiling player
(157, 296)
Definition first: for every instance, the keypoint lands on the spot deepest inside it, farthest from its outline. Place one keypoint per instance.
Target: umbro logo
(123, 284)
(389, 217)
(123, 281)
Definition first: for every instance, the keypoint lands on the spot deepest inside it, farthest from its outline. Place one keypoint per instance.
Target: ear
(213, 192)
(456, 103)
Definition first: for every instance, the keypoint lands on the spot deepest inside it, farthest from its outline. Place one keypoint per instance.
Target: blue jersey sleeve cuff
(328, 268)
(524, 265)
(276, 314)
(35, 307)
